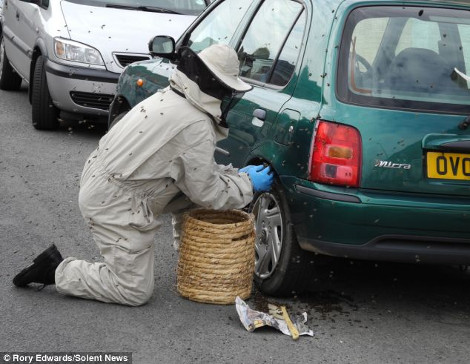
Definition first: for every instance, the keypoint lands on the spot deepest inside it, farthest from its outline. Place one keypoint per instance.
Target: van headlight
(69, 50)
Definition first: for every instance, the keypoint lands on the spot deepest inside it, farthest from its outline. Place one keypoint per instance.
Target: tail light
(335, 157)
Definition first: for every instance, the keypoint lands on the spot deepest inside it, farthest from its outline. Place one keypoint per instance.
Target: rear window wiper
(153, 9)
(456, 73)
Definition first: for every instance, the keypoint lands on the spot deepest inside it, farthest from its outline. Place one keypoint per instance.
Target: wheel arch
(118, 106)
(258, 159)
(39, 50)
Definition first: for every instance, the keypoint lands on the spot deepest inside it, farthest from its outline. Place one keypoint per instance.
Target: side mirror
(162, 46)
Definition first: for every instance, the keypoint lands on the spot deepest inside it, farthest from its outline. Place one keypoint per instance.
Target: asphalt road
(369, 312)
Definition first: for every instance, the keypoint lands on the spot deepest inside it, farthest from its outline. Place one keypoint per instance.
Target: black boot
(42, 270)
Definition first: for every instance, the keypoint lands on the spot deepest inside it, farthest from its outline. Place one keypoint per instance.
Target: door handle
(260, 114)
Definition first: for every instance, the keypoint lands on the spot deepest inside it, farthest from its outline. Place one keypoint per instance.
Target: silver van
(71, 52)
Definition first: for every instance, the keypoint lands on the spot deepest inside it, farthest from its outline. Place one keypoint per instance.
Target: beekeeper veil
(215, 71)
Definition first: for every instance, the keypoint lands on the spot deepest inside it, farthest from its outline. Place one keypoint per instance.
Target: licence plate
(455, 166)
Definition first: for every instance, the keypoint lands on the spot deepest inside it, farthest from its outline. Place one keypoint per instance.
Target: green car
(362, 109)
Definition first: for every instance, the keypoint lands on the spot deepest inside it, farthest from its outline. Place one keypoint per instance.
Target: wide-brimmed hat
(222, 61)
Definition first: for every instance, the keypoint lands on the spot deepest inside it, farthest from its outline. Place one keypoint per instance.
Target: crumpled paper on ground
(252, 319)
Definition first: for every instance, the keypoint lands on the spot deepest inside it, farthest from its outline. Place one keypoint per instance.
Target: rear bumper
(367, 225)
(398, 248)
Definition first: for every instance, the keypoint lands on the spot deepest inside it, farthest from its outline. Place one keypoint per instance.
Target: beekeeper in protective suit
(159, 158)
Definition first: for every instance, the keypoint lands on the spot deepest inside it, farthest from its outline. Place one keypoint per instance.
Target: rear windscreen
(406, 57)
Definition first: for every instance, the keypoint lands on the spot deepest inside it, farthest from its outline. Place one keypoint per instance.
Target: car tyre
(281, 266)
(9, 79)
(44, 113)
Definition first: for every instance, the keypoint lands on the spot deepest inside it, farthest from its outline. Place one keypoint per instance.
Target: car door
(20, 33)
(268, 52)
(10, 26)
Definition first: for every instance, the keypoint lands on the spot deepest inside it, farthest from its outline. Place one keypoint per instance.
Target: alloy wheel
(269, 233)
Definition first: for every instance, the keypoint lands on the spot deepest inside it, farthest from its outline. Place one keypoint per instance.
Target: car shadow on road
(378, 287)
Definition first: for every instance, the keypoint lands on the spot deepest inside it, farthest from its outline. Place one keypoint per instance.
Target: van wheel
(281, 267)
(44, 113)
(9, 79)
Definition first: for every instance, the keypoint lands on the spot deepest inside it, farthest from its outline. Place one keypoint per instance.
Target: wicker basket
(217, 256)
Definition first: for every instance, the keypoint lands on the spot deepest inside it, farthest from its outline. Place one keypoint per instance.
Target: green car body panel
(396, 213)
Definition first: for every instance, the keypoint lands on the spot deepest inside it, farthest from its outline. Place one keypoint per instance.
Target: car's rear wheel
(44, 113)
(9, 79)
(281, 267)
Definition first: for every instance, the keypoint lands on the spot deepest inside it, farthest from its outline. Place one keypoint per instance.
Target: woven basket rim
(246, 217)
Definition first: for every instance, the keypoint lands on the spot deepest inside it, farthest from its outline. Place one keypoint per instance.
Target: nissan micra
(362, 109)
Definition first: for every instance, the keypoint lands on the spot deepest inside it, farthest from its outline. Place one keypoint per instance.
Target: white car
(71, 52)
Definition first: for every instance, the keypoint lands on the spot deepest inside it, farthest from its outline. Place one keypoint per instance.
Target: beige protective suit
(163, 147)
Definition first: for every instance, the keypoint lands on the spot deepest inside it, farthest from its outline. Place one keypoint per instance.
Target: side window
(265, 38)
(285, 65)
(219, 25)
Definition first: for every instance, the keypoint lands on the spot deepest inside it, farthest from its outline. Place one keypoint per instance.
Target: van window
(184, 7)
(406, 57)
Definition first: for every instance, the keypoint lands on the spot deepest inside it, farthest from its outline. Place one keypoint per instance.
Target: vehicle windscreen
(407, 58)
(184, 7)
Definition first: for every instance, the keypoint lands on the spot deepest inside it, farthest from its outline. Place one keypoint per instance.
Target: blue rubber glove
(261, 177)
(246, 168)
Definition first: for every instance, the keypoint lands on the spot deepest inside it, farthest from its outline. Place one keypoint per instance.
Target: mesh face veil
(229, 104)
(195, 69)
